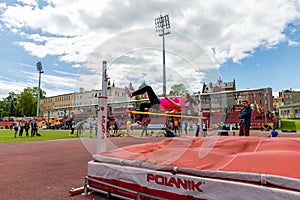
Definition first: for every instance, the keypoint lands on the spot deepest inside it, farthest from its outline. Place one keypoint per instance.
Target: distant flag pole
(102, 111)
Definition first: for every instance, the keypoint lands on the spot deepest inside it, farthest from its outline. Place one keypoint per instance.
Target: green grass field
(7, 135)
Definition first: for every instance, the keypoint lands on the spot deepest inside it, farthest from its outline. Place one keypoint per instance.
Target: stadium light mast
(162, 25)
(39, 68)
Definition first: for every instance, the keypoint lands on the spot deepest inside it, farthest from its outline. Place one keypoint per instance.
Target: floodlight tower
(162, 25)
(39, 68)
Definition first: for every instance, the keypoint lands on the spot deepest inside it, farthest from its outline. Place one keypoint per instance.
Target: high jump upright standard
(102, 111)
(101, 129)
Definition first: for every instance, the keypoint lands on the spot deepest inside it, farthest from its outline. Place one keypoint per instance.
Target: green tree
(177, 90)
(28, 100)
(35, 93)
(18, 105)
(11, 102)
(4, 111)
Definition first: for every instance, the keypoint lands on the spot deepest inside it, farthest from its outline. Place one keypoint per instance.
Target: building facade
(291, 104)
(219, 86)
(58, 106)
(291, 111)
(82, 104)
(223, 96)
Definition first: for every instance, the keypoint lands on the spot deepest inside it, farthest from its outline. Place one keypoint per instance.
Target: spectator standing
(116, 126)
(144, 130)
(91, 124)
(31, 125)
(180, 126)
(176, 125)
(34, 128)
(108, 127)
(21, 128)
(128, 127)
(96, 127)
(16, 128)
(204, 129)
(72, 129)
(26, 127)
(185, 125)
(145, 123)
(79, 128)
(191, 129)
(245, 119)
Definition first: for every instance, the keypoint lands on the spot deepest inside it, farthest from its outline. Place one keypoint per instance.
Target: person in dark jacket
(27, 127)
(245, 119)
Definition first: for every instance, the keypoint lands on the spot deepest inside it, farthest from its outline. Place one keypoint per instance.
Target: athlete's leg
(247, 130)
(241, 132)
(147, 89)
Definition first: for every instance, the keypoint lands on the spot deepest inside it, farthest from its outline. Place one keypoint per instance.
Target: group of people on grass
(21, 126)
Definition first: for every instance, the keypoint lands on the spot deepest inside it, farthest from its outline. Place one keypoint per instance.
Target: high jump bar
(168, 115)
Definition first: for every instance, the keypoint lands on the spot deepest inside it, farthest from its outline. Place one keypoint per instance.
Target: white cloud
(293, 43)
(64, 73)
(76, 65)
(50, 80)
(53, 85)
(204, 34)
(13, 86)
(29, 2)
(2, 6)
(233, 29)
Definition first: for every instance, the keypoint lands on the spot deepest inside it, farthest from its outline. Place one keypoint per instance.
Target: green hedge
(290, 124)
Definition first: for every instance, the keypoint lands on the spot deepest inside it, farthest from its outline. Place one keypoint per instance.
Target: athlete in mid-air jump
(172, 105)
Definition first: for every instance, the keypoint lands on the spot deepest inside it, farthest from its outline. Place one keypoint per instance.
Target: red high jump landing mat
(200, 168)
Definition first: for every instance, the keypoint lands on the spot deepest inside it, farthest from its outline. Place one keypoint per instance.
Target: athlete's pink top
(166, 105)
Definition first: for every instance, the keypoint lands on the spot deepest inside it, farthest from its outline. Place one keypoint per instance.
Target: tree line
(21, 104)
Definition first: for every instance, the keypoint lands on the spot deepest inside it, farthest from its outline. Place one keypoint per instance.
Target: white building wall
(86, 98)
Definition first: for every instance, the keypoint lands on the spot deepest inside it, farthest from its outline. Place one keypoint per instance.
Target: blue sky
(277, 68)
(231, 39)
